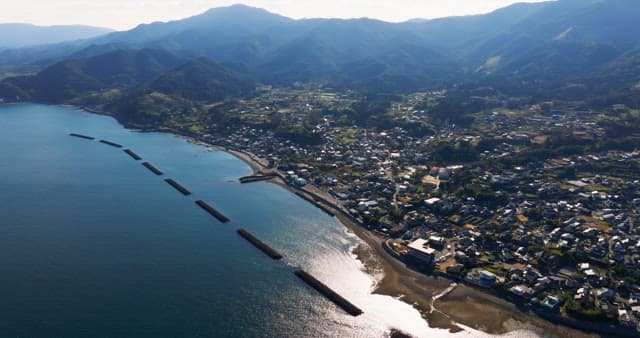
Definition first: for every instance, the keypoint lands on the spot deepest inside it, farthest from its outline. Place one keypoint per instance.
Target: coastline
(468, 306)
(463, 305)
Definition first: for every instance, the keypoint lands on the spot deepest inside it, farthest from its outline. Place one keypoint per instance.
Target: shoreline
(465, 305)
(462, 305)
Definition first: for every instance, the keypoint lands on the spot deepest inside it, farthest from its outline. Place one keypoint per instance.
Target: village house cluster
(557, 233)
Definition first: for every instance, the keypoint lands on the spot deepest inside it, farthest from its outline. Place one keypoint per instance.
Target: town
(536, 203)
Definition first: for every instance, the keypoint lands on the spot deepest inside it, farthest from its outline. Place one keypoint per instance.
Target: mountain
(183, 90)
(548, 45)
(273, 48)
(276, 49)
(234, 33)
(465, 33)
(136, 85)
(16, 35)
(139, 86)
(74, 77)
(202, 80)
(229, 24)
(563, 38)
(616, 83)
(280, 50)
(348, 52)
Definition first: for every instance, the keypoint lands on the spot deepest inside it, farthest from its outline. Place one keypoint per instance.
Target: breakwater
(132, 154)
(178, 186)
(113, 144)
(257, 178)
(259, 244)
(152, 168)
(213, 212)
(328, 293)
(82, 136)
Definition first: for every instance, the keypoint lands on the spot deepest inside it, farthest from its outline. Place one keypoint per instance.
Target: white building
(419, 249)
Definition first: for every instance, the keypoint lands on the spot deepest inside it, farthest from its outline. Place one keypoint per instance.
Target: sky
(126, 14)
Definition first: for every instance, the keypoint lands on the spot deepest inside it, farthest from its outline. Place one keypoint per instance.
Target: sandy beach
(255, 166)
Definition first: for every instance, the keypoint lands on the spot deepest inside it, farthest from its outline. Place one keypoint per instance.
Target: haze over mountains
(554, 47)
(15, 35)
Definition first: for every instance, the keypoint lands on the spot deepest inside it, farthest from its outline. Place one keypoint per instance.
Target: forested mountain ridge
(543, 47)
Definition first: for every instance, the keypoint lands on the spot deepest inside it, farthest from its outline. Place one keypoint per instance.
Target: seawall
(326, 208)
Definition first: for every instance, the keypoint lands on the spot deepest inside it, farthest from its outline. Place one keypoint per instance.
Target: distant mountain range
(16, 35)
(552, 47)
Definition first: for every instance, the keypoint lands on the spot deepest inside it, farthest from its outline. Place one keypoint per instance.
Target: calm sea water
(94, 245)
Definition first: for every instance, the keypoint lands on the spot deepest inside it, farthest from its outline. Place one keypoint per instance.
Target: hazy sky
(124, 14)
